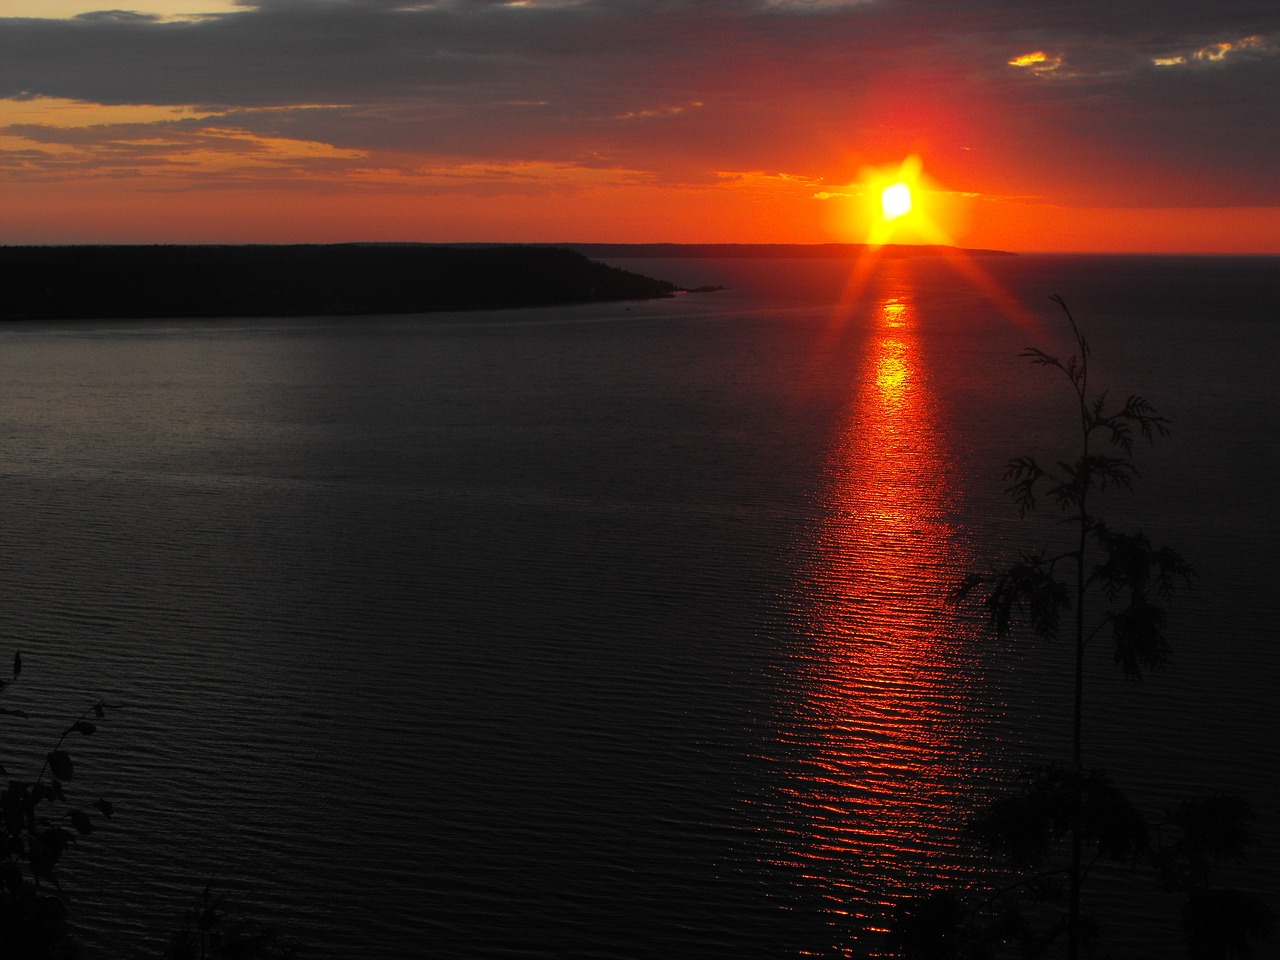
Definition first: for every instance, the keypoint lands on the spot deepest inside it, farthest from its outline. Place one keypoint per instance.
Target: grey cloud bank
(683, 89)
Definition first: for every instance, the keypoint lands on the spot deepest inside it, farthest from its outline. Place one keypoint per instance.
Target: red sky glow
(1084, 126)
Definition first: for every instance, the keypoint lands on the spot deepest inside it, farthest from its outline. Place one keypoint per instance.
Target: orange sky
(1081, 129)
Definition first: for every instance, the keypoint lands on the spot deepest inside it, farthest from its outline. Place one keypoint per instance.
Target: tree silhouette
(1104, 585)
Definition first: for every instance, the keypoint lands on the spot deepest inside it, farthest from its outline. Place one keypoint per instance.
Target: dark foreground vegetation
(1097, 586)
(43, 817)
(228, 281)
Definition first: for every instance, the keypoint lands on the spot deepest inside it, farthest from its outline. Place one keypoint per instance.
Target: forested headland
(91, 282)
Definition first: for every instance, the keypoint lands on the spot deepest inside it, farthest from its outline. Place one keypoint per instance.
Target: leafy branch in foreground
(1101, 583)
(38, 825)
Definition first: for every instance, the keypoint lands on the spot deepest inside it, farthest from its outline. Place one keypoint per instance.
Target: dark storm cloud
(728, 83)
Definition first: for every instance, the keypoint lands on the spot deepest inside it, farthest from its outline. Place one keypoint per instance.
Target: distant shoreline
(112, 282)
(772, 251)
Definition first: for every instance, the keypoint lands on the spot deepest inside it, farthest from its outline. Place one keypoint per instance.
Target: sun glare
(895, 200)
(893, 204)
(901, 205)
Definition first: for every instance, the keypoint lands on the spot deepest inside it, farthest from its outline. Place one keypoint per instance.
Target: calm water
(613, 631)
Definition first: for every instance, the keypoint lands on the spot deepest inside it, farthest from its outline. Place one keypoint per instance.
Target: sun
(901, 191)
(897, 204)
(895, 200)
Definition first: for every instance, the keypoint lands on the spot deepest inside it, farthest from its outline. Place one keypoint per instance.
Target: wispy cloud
(1242, 48)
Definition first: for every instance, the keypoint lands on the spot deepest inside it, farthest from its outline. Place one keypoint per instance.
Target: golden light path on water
(886, 711)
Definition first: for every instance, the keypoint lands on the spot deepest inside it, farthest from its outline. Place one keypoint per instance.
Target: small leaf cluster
(211, 931)
(38, 825)
(1137, 580)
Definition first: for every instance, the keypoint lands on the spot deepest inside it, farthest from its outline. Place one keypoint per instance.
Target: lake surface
(616, 631)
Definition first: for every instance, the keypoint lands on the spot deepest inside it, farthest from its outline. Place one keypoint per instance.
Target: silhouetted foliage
(1223, 924)
(933, 926)
(1028, 826)
(1112, 584)
(38, 826)
(211, 931)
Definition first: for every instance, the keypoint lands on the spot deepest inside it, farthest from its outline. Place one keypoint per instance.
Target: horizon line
(811, 249)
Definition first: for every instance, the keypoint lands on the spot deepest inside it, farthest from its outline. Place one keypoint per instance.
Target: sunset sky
(1124, 125)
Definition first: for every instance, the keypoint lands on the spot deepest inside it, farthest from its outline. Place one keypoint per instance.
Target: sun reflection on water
(885, 754)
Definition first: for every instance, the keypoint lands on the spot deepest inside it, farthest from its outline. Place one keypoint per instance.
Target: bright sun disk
(895, 200)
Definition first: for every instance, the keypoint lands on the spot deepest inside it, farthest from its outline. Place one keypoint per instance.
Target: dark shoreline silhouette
(772, 251)
(103, 282)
